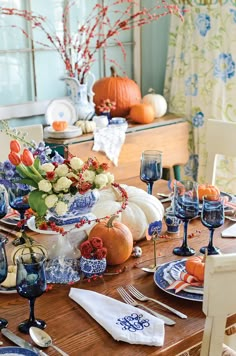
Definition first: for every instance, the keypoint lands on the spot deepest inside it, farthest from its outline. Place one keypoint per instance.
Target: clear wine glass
(212, 216)
(186, 207)
(150, 168)
(31, 284)
(18, 200)
(3, 271)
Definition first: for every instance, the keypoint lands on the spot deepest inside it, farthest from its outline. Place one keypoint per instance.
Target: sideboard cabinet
(168, 134)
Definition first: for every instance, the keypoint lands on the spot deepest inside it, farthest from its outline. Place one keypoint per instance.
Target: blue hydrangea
(191, 85)
(224, 67)
(203, 24)
(198, 119)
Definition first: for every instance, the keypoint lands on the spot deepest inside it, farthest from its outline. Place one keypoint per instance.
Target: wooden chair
(220, 139)
(33, 132)
(218, 302)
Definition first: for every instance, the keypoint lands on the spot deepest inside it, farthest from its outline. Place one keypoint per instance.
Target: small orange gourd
(211, 191)
(60, 125)
(117, 239)
(196, 266)
(142, 113)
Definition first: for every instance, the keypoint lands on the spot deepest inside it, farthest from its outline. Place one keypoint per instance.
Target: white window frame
(37, 108)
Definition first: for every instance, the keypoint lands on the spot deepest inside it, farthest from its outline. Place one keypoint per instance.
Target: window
(30, 73)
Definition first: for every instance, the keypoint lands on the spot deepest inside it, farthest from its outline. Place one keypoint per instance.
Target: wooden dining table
(77, 333)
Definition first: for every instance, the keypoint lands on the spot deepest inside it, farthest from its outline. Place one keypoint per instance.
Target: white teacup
(101, 121)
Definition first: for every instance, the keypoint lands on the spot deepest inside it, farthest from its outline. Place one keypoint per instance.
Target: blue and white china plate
(16, 351)
(163, 279)
(61, 110)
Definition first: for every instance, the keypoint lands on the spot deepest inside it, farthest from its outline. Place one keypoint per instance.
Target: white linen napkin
(123, 321)
(110, 140)
(229, 232)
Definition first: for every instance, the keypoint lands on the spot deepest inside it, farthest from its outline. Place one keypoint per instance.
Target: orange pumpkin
(124, 91)
(195, 266)
(117, 239)
(142, 113)
(211, 191)
(60, 125)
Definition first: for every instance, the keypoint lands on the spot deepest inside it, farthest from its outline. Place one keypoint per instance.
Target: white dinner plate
(61, 110)
(69, 132)
(4, 290)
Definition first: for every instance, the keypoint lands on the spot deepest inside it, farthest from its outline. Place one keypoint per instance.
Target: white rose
(76, 163)
(44, 185)
(101, 180)
(110, 177)
(62, 184)
(62, 170)
(51, 200)
(48, 167)
(72, 175)
(61, 208)
(89, 176)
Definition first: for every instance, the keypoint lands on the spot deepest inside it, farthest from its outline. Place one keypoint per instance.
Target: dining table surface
(77, 333)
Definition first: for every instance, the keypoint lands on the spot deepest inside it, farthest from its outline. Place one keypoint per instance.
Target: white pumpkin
(157, 101)
(142, 209)
(86, 126)
(10, 281)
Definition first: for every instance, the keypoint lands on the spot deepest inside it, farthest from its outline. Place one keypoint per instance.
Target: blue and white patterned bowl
(91, 267)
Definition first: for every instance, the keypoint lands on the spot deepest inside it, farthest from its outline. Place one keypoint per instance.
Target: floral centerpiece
(106, 21)
(53, 178)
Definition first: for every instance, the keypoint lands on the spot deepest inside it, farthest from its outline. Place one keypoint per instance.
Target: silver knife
(21, 342)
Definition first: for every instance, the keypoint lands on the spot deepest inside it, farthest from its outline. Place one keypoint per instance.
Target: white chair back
(220, 139)
(219, 301)
(33, 132)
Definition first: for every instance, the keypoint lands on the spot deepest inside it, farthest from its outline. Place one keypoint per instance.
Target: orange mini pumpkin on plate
(211, 191)
(196, 266)
(60, 125)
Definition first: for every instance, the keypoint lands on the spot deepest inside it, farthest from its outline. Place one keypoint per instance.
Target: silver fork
(129, 300)
(138, 295)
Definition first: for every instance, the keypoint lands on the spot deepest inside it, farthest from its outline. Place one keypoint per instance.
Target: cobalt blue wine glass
(18, 200)
(186, 207)
(150, 168)
(212, 216)
(3, 271)
(31, 284)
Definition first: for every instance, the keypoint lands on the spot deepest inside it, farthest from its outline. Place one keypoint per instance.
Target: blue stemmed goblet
(212, 216)
(31, 284)
(150, 168)
(3, 271)
(186, 207)
(18, 200)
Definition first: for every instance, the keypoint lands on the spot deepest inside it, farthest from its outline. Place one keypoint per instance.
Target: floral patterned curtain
(201, 81)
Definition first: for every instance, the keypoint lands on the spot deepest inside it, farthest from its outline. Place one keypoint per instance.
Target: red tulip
(14, 158)
(15, 146)
(27, 157)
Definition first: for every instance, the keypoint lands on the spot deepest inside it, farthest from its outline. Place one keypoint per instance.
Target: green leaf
(29, 182)
(37, 202)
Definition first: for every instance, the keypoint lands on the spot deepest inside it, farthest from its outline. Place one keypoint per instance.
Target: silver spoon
(42, 339)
